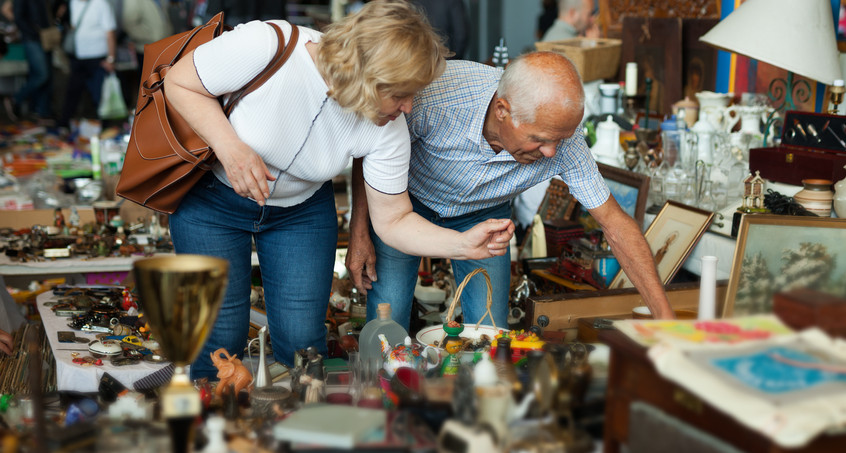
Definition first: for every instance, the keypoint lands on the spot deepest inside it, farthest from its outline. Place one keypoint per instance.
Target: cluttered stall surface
(755, 360)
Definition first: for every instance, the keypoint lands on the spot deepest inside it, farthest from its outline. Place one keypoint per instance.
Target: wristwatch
(110, 59)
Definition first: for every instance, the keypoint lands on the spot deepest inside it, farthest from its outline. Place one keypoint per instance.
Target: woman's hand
(6, 341)
(489, 238)
(245, 170)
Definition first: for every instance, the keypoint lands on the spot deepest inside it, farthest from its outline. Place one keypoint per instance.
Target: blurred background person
(242, 11)
(35, 96)
(449, 19)
(94, 55)
(141, 22)
(574, 19)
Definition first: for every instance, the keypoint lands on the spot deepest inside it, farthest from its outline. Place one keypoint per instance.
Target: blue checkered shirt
(454, 171)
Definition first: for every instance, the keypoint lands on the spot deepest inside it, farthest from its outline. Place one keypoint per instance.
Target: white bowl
(105, 347)
(431, 334)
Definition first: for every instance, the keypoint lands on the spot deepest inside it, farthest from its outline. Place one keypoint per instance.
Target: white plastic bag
(112, 106)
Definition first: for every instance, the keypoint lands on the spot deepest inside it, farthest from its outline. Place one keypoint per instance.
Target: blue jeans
(37, 87)
(296, 253)
(397, 272)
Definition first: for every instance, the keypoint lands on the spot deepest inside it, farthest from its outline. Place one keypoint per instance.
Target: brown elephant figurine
(230, 370)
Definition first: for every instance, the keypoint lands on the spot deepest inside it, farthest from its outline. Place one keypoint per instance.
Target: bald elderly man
(479, 137)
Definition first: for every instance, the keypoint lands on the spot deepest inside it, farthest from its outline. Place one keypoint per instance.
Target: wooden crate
(594, 58)
(565, 310)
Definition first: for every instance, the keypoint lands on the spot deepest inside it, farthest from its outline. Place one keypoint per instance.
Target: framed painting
(630, 189)
(777, 253)
(655, 44)
(672, 236)
(699, 60)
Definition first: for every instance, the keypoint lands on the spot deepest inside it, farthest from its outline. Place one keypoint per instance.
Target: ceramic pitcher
(714, 104)
(750, 117)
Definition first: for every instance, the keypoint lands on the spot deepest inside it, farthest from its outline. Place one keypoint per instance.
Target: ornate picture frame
(672, 235)
(630, 189)
(777, 253)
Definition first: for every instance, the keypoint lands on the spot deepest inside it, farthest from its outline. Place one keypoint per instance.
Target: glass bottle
(505, 366)
(689, 194)
(707, 201)
(369, 346)
(358, 309)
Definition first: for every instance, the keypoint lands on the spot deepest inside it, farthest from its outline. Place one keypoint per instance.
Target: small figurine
(74, 217)
(230, 370)
(128, 300)
(452, 345)
(314, 377)
(58, 218)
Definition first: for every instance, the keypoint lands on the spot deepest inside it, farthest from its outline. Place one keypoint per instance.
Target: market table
(78, 270)
(632, 378)
(73, 377)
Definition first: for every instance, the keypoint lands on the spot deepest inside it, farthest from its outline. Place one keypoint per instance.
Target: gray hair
(566, 5)
(529, 82)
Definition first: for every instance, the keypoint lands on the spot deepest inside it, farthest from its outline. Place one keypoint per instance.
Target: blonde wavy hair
(388, 48)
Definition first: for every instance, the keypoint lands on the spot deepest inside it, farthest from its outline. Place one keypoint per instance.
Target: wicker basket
(594, 58)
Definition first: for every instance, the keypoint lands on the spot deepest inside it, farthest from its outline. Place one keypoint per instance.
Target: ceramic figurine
(58, 218)
(314, 377)
(74, 217)
(452, 345)
(230, 370)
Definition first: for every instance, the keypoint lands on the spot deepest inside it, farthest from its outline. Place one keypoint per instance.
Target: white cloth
(304, 137)
(91, 31)
(77, 378)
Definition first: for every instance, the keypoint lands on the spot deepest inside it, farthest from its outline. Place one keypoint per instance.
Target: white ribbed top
(304, 138)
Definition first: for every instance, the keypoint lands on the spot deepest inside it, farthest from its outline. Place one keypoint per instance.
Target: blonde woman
(336, 98)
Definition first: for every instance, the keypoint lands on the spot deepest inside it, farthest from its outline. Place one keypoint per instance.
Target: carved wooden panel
(611, 12)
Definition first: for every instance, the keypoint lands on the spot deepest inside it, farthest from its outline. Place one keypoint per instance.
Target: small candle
(708, 288)
(631, 79)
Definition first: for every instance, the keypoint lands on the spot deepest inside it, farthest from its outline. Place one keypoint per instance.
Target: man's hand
(361, 262)
(246, 171)
(6, 341)
(489, 238)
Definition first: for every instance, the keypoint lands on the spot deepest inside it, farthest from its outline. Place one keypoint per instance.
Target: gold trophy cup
(180, 296)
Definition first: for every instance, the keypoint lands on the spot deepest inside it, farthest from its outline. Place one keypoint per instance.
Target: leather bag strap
(282, 54)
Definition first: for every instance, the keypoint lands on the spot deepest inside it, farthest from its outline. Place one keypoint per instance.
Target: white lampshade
(796, 35)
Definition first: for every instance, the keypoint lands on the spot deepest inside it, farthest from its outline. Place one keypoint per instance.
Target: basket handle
(458, 291)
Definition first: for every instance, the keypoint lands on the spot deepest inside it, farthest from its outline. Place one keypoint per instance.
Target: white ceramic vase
(839, 200)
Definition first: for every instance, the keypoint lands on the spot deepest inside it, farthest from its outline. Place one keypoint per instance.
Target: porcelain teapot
(751, 118)
(715, 105)
(418, 357)
(607, 146)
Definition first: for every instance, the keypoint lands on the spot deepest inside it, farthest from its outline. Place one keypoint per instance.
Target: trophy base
(180, 407)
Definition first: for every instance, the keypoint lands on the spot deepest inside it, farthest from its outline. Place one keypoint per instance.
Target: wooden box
(803, 308)
(594, 58)
(565, 310)
(813, 146)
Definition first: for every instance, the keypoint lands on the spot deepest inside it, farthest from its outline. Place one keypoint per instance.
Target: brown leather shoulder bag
(165, 157)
